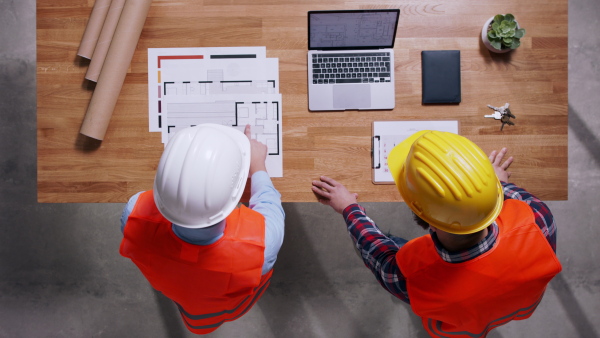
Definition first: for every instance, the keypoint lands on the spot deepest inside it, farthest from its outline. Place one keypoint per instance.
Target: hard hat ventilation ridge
(429, 146)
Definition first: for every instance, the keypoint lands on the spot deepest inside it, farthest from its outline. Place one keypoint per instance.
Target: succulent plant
(504, 33)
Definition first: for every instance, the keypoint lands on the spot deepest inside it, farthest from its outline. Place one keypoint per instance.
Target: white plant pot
(486, 41)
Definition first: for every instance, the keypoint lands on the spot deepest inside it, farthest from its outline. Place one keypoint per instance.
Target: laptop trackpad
(352, 96)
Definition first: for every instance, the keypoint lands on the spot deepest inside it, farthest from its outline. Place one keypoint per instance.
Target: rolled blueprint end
(101, 107)
(114, 70)
(100, 111)
(93, 78)
(93, 28)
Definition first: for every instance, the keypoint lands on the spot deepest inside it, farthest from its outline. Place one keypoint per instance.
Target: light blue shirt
(263, 199)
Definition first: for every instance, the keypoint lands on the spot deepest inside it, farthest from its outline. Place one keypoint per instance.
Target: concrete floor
(61, 274)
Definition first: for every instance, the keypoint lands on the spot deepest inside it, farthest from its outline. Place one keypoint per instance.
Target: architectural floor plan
(264, 116)
(226, 86)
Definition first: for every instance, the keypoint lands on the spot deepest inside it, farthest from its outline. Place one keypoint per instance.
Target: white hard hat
(201, 175)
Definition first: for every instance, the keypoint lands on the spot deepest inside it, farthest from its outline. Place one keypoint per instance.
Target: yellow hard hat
(447, 180)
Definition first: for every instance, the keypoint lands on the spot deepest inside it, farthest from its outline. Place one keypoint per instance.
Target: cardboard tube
(114, 70)
(93, 28)
(106, 35)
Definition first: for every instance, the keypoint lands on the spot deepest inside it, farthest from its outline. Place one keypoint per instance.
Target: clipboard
(387, 134)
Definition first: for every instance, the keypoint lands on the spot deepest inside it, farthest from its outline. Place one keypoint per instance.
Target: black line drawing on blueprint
(263, 116)
(231, 93)
(215, 84)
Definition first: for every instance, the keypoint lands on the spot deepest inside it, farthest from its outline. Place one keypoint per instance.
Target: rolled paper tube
(114, 70)
(106, 35)
(93, 28)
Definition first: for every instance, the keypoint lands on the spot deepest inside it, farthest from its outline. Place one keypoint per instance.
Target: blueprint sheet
(232, 86)
(388, 134)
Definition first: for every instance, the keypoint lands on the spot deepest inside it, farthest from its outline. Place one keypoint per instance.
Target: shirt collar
(200, 236)
(464, 255)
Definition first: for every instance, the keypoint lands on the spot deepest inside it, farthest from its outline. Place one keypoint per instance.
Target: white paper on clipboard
(387, 134)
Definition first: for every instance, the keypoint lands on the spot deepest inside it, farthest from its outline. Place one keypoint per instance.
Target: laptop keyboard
(351, 68)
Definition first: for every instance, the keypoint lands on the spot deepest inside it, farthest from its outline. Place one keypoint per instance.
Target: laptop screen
(353, 29)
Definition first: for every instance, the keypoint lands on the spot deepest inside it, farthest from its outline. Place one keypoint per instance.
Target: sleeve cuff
(260, 175)
(352, 208)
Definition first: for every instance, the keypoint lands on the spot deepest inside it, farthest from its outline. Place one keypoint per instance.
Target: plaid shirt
(379, 251)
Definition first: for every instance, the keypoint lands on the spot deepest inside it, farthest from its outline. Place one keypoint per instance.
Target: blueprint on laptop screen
(352, 29)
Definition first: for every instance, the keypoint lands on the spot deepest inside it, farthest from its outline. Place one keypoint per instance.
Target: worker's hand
(496, 158)
(332, 193)
(258, 153)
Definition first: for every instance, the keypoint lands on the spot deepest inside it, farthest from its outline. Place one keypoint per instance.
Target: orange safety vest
(471, 298)
(210, 284)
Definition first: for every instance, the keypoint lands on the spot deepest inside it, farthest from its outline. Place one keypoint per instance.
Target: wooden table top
(533, 79)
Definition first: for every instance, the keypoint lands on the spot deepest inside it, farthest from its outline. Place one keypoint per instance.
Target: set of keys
(503, 114)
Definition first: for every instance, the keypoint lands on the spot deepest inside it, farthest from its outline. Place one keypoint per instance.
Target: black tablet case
(440, 76)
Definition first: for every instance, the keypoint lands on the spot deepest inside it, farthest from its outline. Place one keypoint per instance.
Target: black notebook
(440, 76)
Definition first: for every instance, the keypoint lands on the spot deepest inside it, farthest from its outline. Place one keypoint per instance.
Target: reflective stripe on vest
(435, 326)
(187, 316)
(471, 298)
(210, 284)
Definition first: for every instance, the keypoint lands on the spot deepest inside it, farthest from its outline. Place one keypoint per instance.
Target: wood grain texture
(73, 168)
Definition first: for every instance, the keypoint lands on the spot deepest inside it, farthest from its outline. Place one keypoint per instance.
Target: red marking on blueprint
(179, 57)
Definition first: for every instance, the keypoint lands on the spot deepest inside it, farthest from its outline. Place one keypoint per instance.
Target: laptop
(351, 59)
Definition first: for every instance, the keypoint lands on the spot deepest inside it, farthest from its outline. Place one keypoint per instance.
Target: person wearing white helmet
(490, 251)
(188, 236)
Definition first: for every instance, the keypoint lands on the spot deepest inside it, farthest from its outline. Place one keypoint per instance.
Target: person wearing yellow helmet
(191, 239)
(490, 251)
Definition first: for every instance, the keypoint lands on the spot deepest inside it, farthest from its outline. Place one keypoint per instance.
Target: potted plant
(502, 33)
